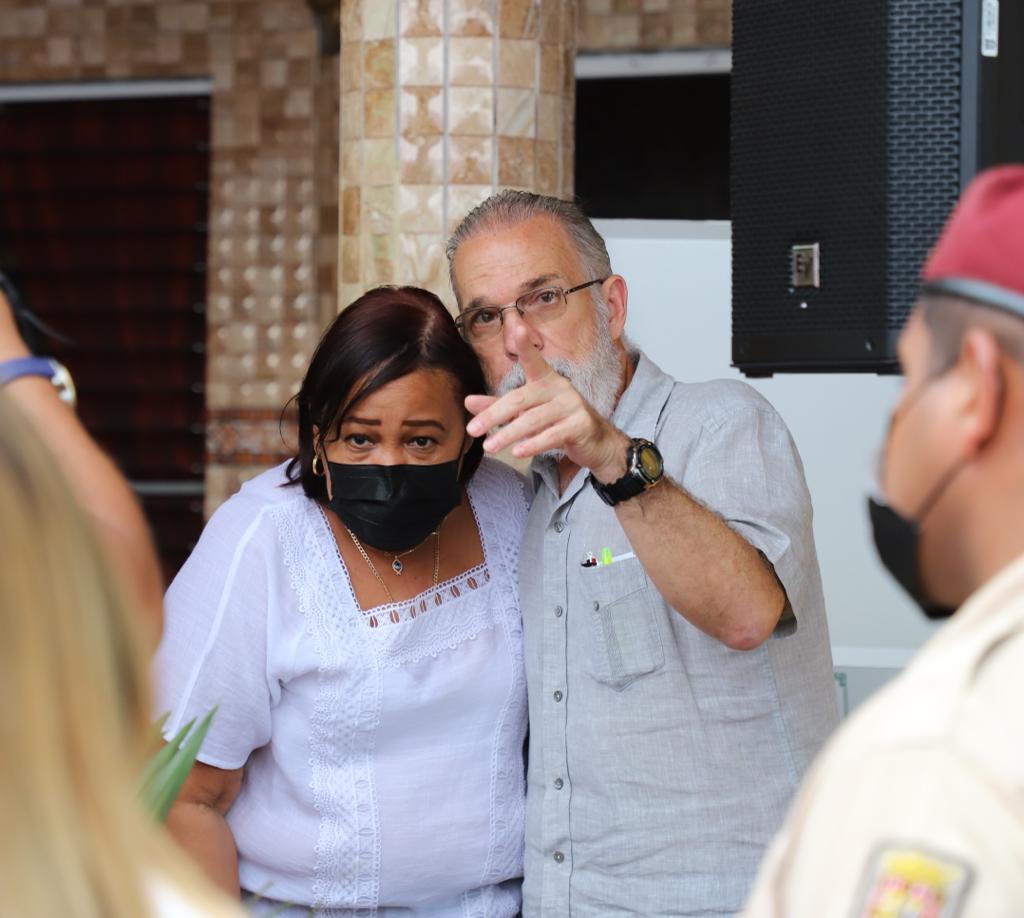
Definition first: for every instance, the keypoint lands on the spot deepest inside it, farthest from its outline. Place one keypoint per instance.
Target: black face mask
(394, 507)
(898, 539)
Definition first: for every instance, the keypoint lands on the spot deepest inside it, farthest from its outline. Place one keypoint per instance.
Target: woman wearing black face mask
(354, 615)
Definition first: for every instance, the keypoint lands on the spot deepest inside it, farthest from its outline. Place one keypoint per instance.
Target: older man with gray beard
(677, 652)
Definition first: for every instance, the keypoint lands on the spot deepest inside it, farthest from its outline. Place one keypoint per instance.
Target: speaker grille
(845, 132)
(924, 137)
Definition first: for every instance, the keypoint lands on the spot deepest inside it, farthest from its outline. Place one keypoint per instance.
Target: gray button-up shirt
(661, 762)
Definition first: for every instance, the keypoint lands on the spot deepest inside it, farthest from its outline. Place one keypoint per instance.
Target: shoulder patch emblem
(908, 882)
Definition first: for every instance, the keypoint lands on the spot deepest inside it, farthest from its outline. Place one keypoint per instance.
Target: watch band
(636, 480)
(40, 366)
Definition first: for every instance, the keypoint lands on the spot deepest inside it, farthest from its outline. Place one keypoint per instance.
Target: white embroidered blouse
(383, 749)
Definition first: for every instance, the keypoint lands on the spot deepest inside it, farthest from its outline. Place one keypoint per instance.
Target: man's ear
(615, 295)
(980, 390)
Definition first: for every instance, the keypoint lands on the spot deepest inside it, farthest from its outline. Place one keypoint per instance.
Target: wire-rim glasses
(536, 307)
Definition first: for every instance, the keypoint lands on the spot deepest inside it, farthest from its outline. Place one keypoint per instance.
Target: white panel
(679, 313)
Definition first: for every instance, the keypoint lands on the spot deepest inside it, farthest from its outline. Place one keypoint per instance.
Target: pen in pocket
(605, 558)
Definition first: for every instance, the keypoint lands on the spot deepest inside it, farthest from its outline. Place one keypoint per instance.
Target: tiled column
(653, 25)
(444, 102)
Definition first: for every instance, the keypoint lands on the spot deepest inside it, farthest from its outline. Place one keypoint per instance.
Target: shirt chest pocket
(620, 618)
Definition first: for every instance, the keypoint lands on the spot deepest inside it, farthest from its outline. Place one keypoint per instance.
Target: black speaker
(855, 124)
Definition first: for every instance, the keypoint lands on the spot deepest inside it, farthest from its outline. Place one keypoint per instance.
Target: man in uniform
(917, 806)
(677, 654)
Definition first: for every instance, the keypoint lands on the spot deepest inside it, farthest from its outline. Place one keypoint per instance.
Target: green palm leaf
(167, 770)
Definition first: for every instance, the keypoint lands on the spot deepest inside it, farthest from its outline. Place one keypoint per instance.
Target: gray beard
(596, 378)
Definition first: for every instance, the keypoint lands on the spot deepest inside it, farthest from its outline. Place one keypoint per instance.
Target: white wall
(678, 275)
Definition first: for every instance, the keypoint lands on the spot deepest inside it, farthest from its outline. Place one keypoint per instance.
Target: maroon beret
(980, 254)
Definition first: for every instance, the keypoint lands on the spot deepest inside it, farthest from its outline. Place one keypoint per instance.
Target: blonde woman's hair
(74, 717)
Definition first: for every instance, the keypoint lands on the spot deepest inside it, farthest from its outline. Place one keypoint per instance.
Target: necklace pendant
(397, 566)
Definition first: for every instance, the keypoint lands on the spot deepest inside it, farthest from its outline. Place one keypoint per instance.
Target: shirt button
(558, 611)
(559, 784)
(597, 606)
(559, 526)
(559, 857)
(558, 695)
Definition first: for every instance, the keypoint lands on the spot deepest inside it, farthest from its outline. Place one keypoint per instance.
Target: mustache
(516, 378)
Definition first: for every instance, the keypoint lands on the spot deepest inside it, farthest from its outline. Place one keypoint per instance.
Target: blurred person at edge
(916, 807)
(74, 721)
(42, 390)
(353, 613)
(677, 654)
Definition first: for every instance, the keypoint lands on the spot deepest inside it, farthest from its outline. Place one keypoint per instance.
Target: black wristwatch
(47, 367)
(644, 469)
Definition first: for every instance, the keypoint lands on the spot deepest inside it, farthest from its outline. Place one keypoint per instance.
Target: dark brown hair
(387, 333)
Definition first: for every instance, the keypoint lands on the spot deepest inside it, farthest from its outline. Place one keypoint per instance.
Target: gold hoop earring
(317, 471)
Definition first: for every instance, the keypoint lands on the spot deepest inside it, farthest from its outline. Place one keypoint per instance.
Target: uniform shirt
(383, 748)
(661, 762)
(917, 806)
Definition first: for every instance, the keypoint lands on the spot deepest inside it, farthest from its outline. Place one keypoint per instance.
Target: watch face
(650, 462)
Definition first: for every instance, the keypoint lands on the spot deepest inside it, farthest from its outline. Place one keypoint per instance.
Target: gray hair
(508, 208)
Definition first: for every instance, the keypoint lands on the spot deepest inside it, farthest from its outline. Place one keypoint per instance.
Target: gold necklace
(396, 564)
(437, 558)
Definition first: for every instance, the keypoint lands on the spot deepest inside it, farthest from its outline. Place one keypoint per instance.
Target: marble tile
(549, 117)
(421, 61)
(517, 63)
(551, 68)
(422, 159)
(518, 18)
(379, 112)
(378, 71)
(656, 30)
(471, 17)
(379, 260)
(420, 18)
(471, 110)
(569, 72)
(715, 23)
(419, 208)
(462, 199)
(380, 159)
(351, 210)
(351, 66)
(298, 104)
(59, 51)
(656, 6)
(378, 19)
(351, 122)
(566, 183)
(516, 162)
(348, 293)
(547, 162)
(352, 22)
(378, 209)
(516, 116)
(421, 110)
(470, 160)
(421, 259)
(470, 61)
(594, 33)
(273, 74)
(624, 31)
(684, 27)
(552, 15)
(351, 162)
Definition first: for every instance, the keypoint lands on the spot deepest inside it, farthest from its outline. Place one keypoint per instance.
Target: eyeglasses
(536, 307)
